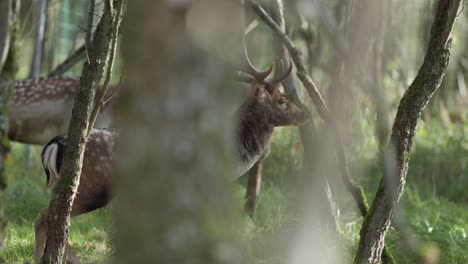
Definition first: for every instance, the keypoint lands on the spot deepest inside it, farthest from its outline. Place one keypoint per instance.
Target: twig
(396, 156)
(355, 189)
(69, 62)
(302, 74)
(101, 93)
(322, 108)
(114, 90)
(90, 25)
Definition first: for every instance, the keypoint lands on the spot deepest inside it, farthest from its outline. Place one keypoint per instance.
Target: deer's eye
(281, 101)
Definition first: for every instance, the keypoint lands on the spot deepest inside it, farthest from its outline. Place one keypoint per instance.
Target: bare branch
(396, 156)
(355, 189)
(5, 8)
(302, 74)
(92, 5)
(69, 62)
(114, 91)
(307, 81)
(101, 93)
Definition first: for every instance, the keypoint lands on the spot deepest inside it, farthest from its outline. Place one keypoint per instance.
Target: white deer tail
(52, 155)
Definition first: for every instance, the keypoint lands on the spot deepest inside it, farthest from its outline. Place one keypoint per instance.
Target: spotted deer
(95, 189)
(41, 109)
(265, 108)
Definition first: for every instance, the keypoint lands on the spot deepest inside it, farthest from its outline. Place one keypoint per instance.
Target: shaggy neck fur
(253, 135)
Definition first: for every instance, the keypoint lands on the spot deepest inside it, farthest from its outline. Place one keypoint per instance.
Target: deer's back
(95, 189)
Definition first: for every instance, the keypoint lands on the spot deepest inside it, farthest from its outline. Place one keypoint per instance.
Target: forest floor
(435, 200)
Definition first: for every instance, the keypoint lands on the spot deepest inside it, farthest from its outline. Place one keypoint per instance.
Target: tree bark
(173, 204)
(397, 153)
(9, 11)
(65, 191)
(5, 21)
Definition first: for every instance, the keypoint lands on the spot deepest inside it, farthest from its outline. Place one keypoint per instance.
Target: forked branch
(397, 154)
(101, 94)
(302, 73)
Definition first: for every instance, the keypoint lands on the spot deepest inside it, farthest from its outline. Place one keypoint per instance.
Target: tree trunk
(411, 106)
(65, 191)
(173, 204)
(9, 10)
(5, 22)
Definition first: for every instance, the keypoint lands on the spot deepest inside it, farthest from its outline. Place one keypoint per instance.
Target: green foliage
(285, 159)
(439, 162)
(434, 201)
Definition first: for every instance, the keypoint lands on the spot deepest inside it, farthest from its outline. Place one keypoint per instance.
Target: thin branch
(5, 21)
(322, 108)
(101, 93)
(69, 62)
(295, 53)
(355, 189)
(397, 153)
(114, 90)
(92, 5)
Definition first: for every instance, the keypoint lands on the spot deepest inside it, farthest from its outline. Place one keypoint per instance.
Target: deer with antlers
(265, 108)
(41, 109)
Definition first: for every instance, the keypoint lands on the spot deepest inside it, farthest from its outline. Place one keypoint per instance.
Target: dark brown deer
(41, 109)
(265, 108)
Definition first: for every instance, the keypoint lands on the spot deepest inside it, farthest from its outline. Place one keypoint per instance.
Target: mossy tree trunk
(9, 10)
(65, 191)
(397, 153)
(173, 204)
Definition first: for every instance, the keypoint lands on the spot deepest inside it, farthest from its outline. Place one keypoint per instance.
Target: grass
(434, 202)
(26, 197)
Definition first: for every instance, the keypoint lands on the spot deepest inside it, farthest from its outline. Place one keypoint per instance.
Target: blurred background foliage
(435, 201)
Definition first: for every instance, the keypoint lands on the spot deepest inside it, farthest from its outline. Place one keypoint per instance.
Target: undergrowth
(434, 203)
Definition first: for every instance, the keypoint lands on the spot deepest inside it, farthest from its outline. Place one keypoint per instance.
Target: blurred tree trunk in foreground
(99, 51)
(411, 106)
(9, 10)
(173, 204)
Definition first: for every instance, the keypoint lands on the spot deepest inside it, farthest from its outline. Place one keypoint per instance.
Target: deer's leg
(70, 254)
(253, 188)
(41, 227)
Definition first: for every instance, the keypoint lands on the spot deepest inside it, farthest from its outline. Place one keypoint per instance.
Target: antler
(257, 75)
(282, 76)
